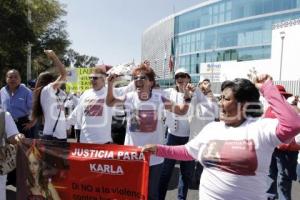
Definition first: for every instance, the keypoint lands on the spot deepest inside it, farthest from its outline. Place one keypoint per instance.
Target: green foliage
(34, 21)
(14, 35)
(77, 60)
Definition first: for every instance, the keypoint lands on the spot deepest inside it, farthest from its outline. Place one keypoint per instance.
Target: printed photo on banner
(55, 170)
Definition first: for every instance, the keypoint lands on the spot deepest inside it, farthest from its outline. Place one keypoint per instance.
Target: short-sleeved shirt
(52, 102)
(235, 159)
(177, 125)
(94, 117)
(10, 126)
(144, 122)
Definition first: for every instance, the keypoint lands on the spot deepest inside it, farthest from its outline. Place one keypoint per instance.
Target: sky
(112, 29)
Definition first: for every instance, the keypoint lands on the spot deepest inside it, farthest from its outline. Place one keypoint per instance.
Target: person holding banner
(48, 104)
(144, 108)
(243, 141)
(39, 186)
(9, 126)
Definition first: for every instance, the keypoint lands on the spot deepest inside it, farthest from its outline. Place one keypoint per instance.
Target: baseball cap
(182, 71)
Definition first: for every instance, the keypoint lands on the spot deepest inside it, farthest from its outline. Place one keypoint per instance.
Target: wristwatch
(188, 100)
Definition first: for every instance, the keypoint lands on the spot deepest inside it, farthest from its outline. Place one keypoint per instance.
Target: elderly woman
(144, 108)
(243, 141)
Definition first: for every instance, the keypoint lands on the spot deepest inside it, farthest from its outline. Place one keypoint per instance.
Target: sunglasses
(181, 76)
(96, 77)
(142, 78)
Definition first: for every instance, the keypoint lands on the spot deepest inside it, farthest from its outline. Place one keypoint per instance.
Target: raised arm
(180, 109)
(172, 152)
(289, 120)
(111, 100)
(60, 67)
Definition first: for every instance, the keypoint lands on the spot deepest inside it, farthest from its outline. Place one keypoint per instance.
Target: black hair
(244, 91)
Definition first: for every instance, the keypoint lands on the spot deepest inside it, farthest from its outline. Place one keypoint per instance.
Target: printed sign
(73, 171)
(78, 80)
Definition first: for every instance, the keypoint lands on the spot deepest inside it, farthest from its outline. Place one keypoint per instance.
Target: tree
(14, 35)
(77, 60)
(44, 30)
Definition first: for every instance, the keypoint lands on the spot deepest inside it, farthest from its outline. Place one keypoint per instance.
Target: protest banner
(78, 80)
(75, 171)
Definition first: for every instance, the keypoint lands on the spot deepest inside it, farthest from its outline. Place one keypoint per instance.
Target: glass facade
(229, 30)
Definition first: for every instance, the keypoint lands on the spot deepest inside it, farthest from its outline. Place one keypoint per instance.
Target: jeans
(282, 172)
(298, 172)
(154, 174)
(2, 187)
(186, 169)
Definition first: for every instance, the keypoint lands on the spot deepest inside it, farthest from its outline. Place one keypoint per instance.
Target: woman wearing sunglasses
(145, 108)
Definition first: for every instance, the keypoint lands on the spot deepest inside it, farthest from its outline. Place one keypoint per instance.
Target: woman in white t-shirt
(242, 143)
(13, 136)
(48, 104)
(144, 108)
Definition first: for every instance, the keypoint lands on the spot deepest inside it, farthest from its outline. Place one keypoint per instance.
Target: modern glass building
(216, 31)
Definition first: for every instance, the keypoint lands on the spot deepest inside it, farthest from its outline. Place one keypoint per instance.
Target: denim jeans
(186, 169)
(298, 172)
(282, 172)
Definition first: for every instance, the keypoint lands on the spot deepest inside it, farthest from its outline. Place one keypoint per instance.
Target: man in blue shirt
(16, 99)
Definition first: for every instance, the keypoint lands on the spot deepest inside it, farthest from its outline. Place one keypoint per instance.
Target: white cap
(182, 71)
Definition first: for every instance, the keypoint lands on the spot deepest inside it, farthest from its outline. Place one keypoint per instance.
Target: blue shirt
(19, 104)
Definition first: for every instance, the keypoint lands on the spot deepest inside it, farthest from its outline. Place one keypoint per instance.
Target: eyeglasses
(96, 77)
(180, 76)
(142, 78)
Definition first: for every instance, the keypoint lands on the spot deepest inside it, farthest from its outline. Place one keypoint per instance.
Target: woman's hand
(259, 80)
(151, 148)
(111, 79)
(15, 139)
(50, 54)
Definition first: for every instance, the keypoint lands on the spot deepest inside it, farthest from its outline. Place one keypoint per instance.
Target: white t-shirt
(93, 116)
(203, 111)
(144, 122)
(235, 159)
(178, 125)
(51, 105)
(10, 125)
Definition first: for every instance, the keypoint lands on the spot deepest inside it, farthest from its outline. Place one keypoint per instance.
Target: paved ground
(172, 192)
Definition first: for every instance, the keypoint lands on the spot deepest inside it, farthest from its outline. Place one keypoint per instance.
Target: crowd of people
(229, 145)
